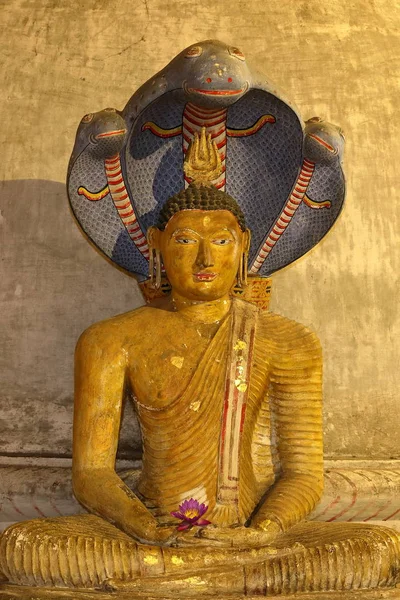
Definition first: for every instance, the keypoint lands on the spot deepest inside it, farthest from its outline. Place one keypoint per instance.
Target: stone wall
(60, 60)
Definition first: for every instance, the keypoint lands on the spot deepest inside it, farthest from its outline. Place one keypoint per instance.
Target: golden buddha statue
(229, 402)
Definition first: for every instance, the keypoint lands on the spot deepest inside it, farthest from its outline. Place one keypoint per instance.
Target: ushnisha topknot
(200, 197)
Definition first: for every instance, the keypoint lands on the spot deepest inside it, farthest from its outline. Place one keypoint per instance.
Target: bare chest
(162, 368)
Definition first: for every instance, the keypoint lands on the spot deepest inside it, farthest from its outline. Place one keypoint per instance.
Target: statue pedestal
(9, 592)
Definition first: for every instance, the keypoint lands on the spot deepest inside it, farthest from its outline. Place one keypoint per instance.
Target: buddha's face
(201, 252)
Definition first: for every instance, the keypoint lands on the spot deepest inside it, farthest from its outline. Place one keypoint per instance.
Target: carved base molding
(9, 592)
(355, 490)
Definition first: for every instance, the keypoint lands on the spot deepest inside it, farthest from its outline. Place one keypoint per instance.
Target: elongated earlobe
(155, 260)
(243, 262)
(241, 276)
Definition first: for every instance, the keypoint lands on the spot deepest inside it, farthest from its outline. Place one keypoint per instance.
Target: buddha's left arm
(296, 402)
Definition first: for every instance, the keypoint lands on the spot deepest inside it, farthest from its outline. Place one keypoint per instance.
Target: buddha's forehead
(203, 221)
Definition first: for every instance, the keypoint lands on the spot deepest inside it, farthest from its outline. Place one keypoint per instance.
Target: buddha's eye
(194, 51)
(185, 241)
(236, 53)
(222, 241)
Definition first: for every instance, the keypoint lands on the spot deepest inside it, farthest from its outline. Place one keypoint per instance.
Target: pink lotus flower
(190, 513)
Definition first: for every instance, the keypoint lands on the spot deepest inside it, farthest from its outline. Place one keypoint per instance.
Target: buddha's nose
(204, 257)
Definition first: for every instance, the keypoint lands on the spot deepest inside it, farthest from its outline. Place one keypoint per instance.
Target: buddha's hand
(262, 535)
(152, 532)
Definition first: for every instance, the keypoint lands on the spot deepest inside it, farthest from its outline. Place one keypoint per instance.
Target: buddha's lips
(205, 276)
(111, 133)
(323, 143)
(216, 92)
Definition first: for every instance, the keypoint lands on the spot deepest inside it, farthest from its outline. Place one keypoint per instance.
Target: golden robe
(245, 437)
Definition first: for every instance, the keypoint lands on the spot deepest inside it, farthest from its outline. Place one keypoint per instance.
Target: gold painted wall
(336, 59)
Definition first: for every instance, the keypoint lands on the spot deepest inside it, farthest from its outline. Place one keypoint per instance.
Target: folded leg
(87, 552)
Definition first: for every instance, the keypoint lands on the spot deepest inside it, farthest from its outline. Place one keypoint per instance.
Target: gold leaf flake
(241, 385)
(177, 361)
(150, 560)
(195, 581)
(240, 345)
(177, 560)
(195, 405)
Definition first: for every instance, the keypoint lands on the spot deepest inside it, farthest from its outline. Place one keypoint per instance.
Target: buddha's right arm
(100, 371)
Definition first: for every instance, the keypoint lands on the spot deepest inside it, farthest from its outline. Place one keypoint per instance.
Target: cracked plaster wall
(336, 59)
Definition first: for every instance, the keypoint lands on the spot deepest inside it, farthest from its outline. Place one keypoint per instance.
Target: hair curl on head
(200, 197)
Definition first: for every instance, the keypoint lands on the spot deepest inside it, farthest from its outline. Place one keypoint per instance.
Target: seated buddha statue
(228, 399)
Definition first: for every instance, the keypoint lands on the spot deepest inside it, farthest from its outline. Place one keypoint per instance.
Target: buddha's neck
(211, 311)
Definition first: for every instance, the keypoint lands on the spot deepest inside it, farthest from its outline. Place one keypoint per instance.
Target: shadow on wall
(53, 286)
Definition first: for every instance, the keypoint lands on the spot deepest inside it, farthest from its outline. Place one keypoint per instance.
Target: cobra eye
(194, 51)
(87, 118)
(237, 53)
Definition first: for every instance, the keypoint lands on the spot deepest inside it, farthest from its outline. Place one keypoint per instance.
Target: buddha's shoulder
(286, 334)
(116, 330)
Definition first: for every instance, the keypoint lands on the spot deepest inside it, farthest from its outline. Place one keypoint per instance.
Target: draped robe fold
(199, 444)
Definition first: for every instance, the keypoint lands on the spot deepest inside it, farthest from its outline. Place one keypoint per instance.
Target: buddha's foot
(86, 552)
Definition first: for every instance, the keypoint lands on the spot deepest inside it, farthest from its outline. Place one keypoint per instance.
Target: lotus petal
(203, 522)
(178, 515)
(184, 526)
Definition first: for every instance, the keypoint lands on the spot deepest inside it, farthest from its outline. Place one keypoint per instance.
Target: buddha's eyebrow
(184, 230)
(187, 230)
(223, 230)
